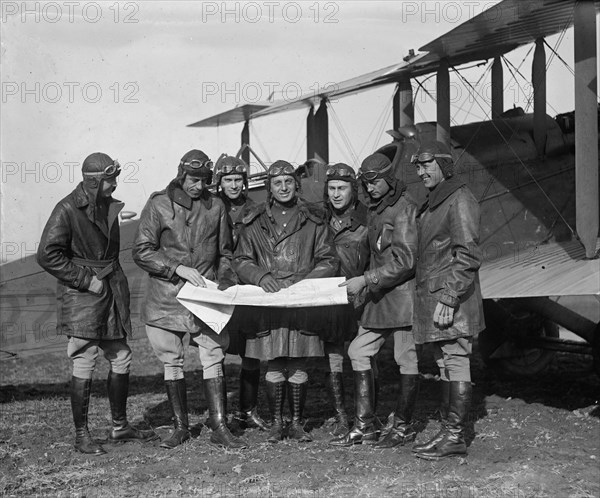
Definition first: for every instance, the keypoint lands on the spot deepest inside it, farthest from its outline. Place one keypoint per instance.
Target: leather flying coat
(73, 233)
(449, 260)
(177, 230)
(352, 246)
(302, 250)
(393, 244)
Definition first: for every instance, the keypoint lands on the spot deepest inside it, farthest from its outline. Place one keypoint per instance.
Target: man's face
(232, 186)
(430, 173)
(339, 193)
(108, 186)
(377, 188)
(194, 186)
(283, 188)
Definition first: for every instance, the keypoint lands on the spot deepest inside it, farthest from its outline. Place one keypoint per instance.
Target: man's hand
(354, 285)
(192, 275)
(443, 315)
(96, 285)
(269, 284)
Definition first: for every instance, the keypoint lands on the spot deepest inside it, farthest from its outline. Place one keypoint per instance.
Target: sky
(126, 78)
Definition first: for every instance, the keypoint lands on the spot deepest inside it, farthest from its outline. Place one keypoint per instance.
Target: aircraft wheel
(516, 358)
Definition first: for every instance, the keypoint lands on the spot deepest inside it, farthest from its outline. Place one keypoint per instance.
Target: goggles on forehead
(197, 164)
(111, 170)
(371, 175)
(232, 168)
(288, 169)
(426, 157)
(343, 171)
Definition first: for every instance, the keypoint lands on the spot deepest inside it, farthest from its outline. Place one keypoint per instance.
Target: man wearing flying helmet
(347, 218)
(80, 247)
(448, 305)
(232, 184)
(389, 283)
(284, 240)
(183, 236)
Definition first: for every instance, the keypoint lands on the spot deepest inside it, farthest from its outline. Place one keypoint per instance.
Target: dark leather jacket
(449, 261)
(235, 213)
(176, 230)
(304, 250)
(393, 243)
(72, 233)
(352, 243)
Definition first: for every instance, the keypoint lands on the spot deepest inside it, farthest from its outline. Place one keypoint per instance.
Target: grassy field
(532, 437)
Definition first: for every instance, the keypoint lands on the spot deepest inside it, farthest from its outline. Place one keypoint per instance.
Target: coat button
(346, 245)
(192, 250)
(187, 223)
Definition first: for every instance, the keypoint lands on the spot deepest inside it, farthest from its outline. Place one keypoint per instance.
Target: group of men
(411, 273)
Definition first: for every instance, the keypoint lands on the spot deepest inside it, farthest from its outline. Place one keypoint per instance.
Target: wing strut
(586, 126)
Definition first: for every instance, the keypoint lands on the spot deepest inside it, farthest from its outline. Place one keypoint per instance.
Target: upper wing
(496, 31)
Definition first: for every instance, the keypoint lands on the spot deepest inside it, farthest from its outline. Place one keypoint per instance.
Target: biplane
(535, 176)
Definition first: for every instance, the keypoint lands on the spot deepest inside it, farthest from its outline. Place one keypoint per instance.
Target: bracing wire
(524, 166)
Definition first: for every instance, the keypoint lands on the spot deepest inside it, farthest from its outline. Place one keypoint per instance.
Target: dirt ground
(532, 437)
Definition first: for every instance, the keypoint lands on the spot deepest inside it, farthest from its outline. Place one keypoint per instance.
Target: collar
(179, 196)
(240, 201)
(306, 210)
(358, 215)
(442, 191)
(80, 196)
(397, 188)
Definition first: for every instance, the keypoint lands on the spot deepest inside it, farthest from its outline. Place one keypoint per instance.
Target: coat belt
(106, 266)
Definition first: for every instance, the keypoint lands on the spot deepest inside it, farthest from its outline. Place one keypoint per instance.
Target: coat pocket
(436, 284)
(385, 240)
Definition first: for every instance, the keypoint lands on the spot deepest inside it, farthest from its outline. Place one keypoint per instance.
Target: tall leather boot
(176, 391)
(335, 382)
(402, 431)
(453, 440)
(276, 398)
(118, 389)
(364, 430)
(297, 400)
(381, 428)
(214, 390)
(249, 380)
(80, 402)
(444, 407)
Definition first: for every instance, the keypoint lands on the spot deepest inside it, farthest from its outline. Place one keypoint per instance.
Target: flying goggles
(371, 175)
(286, 169)
(425, 157)
(227, 169)
(196, 164)
(342, 171)
(110, 171)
